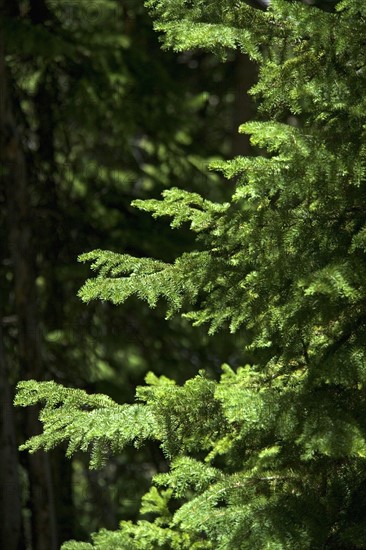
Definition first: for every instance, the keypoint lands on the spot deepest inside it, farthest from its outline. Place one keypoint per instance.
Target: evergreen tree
(271, 455)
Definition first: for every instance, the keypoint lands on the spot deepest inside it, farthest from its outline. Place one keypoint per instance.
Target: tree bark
(14, 176)
(10, 492)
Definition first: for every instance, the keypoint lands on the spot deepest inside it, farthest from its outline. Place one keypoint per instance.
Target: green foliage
(83, 421)
(212, 25)
(247, 454)
(271, 456)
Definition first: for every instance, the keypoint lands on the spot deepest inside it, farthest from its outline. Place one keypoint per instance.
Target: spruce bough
(272, 456)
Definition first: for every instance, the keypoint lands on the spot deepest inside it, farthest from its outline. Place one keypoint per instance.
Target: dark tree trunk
(25, 300)
(46, 102)
(64, 506)
(10, 496)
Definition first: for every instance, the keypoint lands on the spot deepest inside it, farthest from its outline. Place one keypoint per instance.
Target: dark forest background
(93, 114)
